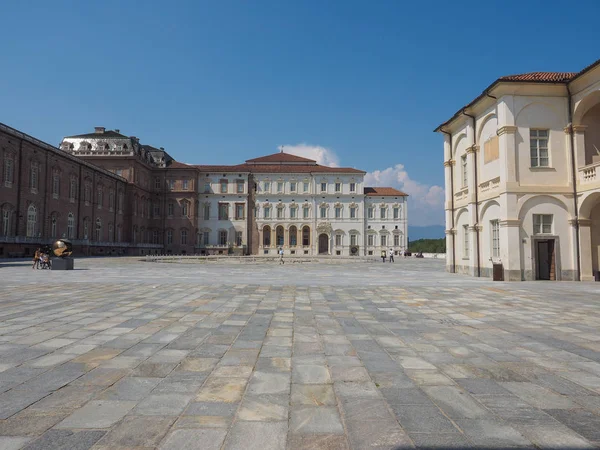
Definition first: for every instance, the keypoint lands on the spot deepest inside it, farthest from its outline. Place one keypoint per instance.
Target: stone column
(474, 227)
(450, 243)
(585, 248)
(508, 155)
(579, 144)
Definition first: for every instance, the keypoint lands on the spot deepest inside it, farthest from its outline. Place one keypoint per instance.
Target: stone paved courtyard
(123, 354)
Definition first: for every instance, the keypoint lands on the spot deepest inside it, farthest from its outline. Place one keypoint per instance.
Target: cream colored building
(522, 171)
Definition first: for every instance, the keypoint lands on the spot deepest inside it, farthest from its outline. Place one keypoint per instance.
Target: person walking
(281, 256)
(36, 259)
(391, 255)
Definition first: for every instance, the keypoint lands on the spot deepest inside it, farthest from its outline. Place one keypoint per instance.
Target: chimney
(99, 130)
(117, 130)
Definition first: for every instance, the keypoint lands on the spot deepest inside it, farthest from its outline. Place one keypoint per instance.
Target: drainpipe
(451, 204)
(476, 192)
(574, 180)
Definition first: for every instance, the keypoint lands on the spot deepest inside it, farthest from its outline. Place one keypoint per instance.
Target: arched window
(98, 229)
(8, 170)
(53, 226)
(33, 176)
(266, 236)
(6, 216)
(99, 197)
(73, 189)
(279, 235)
(70, 226)
(55, 184)
(31, 221)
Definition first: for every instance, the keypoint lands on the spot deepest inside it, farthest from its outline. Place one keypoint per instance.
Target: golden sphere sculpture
(62, 248)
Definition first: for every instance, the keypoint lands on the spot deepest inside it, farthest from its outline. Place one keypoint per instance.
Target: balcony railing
(589, 174)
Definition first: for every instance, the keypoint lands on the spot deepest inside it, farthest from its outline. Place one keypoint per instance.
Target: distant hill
(428, 245)
(427, 232)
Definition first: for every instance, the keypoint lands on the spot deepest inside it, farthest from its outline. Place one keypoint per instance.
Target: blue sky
(363, 83)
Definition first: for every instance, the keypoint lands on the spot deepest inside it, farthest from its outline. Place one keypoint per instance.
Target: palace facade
(522, 170)
(110, 194)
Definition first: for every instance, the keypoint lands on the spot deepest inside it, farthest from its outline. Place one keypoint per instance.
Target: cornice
(506, 129)
(510, 223)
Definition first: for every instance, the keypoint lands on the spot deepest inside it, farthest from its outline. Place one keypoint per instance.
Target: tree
(428, 246)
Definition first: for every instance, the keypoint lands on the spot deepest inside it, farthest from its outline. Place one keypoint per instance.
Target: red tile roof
(531, 77)
(541, 77)
(280, 158)
(384, 192)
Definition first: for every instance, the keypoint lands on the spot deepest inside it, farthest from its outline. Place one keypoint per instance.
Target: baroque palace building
(110, 194)
(523, 178)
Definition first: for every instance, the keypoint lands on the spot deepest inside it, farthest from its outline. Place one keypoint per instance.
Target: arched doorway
(266, 236)
(293, 236)
(279, 236)
(589, 230)
(323, 244)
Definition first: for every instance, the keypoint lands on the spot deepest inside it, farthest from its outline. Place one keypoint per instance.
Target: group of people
(41, 260)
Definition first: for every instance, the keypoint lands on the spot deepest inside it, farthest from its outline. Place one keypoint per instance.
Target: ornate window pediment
(353, 205)
(338, 205)
(324, 205)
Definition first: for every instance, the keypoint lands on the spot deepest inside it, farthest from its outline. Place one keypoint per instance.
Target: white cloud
(425, 202)
(322, 155)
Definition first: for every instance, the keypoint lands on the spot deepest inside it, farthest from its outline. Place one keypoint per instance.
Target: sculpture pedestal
(62, 263)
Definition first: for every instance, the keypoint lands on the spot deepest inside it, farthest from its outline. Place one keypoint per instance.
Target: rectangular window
(156, 210)
(338, 239)
(370, 239)
(8, 172)
(338, 212)
(268, 212)
(279, 186)
(292, 186)
(33, 177)
(305, 212)
(185, 185)
(396, 240)
(383, 213)
(352, 239)
(55, 185)
(223, 186)
(223, 211)
(267, 187)
(222, 237)
(185, 209)
(495, 228)
(238, 238)
(323, 187)
(352, 187)
(542, 223)
(206, 212)
(370, 212)
(171, 208)
(538, 145)
(239, 211)
(207, 187)
(465, 241)
(383, 240)
(169, 237)
(73, 189)
(293, 212)
(353, 212)
(171, 184)
(205, 238)
(464, 172)
(157, 183)
(396, 213)
(240, 187)
(183, 237)
(323, 210)
(305, 187)
(338, 187)
(280, 213)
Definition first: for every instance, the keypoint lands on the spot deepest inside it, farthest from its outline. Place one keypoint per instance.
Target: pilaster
(508, 156)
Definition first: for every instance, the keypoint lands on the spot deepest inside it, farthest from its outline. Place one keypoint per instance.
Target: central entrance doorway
(323, 244)
(546, 260)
